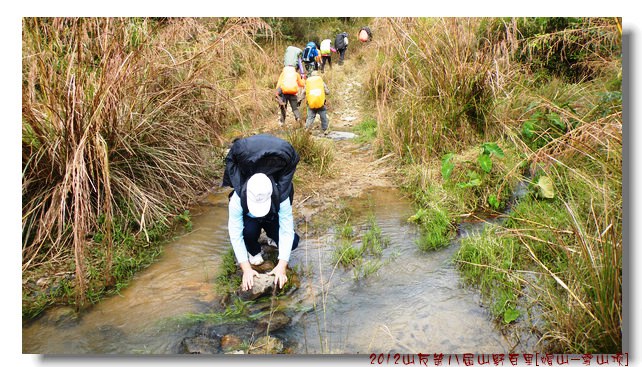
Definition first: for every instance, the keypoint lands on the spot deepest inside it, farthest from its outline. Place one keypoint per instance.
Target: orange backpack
(289, 83)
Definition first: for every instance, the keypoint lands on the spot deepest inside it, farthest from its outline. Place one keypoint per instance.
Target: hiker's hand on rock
(248, 276)
(279, 273)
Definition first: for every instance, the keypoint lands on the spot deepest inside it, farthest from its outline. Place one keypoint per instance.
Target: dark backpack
(306, 54)
(339, 42)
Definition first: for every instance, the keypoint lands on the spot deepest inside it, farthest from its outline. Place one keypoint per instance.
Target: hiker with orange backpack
(315, 92)
(287, 88)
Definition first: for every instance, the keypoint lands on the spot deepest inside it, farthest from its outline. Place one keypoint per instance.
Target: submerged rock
(231, 343)
(275, 321)
(62, 317)
(266, 345)
(199, 345)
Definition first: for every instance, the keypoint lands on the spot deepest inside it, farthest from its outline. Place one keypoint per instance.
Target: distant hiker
(341, 43)
(260, 168)
(326, 53)
(287, 89)
(293, 57)
(365, 34)
(315, 92)
(309, 57)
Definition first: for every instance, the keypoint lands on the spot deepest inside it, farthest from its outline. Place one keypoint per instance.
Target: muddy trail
(355, 167)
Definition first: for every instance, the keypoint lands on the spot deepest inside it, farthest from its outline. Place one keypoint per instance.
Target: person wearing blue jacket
(260, 168)
(309, 57)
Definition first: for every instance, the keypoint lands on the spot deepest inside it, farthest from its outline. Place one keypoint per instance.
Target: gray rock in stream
(341, 135)
(275, 321)
(263, 286)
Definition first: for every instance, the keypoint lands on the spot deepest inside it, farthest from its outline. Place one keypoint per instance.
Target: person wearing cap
(260, 168)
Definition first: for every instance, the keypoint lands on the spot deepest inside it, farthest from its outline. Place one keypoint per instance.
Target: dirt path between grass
(355, 167)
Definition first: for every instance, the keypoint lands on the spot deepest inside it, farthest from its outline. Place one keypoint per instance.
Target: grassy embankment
(120, 117)
(472, 107)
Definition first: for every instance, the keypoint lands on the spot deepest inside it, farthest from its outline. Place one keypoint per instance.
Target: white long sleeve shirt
(235, 228)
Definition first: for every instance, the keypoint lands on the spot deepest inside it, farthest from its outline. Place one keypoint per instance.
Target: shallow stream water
(413, 303)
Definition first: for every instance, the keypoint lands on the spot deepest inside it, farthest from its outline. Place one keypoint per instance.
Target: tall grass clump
(435, 98)
(571, 48)
(318, 154)
(488, 260)
(433, 89)
(547, 92)
(569, 224)
(365, 259)
(366, 130)
(567, 233)
(583, 256)
(120, 116)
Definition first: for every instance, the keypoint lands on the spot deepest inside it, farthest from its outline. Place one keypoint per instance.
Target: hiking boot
(255, 260)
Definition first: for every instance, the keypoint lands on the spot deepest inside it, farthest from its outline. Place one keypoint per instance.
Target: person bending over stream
(260, 168)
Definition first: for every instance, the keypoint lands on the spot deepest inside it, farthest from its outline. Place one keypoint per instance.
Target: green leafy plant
(484, 160)
(510, 315)
(494, 202)
(474, 179)
(542, 127)
(447, 166)
(544, 187)
(186, 218)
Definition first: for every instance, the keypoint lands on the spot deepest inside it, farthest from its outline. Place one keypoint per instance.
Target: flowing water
(414, 303)
(179, 283)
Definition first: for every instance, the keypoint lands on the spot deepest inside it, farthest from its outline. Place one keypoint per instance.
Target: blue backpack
(308, 54)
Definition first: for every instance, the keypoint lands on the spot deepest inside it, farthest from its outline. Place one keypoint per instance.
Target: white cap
(259, 195)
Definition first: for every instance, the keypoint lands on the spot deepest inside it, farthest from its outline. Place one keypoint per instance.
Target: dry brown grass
(120, 116)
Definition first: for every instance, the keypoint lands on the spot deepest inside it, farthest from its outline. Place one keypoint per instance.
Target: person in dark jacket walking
(260, 168)
(341, 44)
